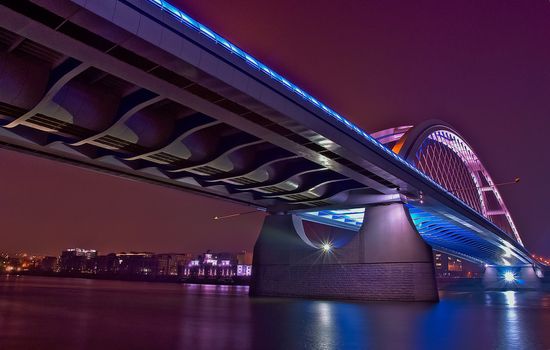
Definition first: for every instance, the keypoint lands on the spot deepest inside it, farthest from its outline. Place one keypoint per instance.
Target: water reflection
(510, 298)
(59, 314)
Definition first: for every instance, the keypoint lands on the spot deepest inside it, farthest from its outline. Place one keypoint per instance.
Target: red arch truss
(440, 152)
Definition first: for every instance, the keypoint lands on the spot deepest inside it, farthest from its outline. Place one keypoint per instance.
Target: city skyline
(77, 261)
(175, 251)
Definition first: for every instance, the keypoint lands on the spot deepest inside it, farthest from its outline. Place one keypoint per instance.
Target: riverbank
(234, 281)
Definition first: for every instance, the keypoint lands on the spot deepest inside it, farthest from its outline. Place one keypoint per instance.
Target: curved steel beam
(59, 77)
(307, 188)
(185, 128)
(335, 190)
(301, 168)
(227, 145)
(129, 105)
(263, 160)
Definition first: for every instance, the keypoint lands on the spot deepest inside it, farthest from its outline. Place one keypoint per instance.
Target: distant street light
(516, 180)
(237, 214)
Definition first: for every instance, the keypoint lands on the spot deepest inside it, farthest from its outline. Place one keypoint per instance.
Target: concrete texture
(386, 260)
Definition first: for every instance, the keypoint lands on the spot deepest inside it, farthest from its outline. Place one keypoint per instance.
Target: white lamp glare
(509, 276)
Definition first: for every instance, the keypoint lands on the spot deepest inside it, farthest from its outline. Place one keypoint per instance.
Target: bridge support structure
(386, 260)
(511, 278)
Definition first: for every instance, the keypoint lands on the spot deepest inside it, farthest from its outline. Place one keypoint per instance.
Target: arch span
(439, 151)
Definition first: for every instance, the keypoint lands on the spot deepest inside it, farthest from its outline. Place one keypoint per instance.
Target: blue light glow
(207, 32)
(350, 219)
(444, 235)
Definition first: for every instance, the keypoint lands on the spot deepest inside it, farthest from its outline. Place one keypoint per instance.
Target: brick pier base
(386, 260)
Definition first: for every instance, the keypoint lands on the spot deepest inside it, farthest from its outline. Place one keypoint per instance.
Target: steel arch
(439, 151)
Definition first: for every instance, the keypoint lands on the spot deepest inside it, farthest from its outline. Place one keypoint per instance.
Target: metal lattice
(446, 158)
(450, 161)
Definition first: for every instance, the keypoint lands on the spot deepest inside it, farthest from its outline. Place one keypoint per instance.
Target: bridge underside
(113, 101)
(386, 260)
(385, 253)
(437, 227)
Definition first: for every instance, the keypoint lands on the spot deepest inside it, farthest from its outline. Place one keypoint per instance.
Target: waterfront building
(78, 260)
(244, 270)
(49, 264)
(450, 266)
(244, 258)
(107, 264)
(221, 266)
(172, 264)
(135, 263)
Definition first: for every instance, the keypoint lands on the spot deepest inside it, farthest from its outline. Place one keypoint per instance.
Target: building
(244, 264)
(135, 263)
(448, 266)
(78, 260)
(244, 270)
(172, 264)
(106, 264)
(244, 258)
(221, 266)
(49, 264)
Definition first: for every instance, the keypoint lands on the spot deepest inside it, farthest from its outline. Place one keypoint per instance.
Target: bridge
(139, 89)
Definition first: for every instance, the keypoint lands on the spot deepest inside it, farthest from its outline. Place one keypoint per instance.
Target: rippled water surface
(55, 313)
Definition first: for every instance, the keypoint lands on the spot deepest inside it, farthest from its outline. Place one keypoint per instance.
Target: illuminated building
(244, 270)
(244, 258)
(135, 263)
(78, 260)
(450, 266)
(220, 266)
(446, 265)
(171, 264)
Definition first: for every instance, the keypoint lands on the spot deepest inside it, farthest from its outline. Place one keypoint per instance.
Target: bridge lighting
(507, 251)
(236, 214)
(509, 276)
(326, 247)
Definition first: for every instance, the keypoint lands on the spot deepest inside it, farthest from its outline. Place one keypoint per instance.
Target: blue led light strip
(352, 217)
(250, 60)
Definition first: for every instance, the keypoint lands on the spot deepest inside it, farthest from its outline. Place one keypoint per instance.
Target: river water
(64, 313)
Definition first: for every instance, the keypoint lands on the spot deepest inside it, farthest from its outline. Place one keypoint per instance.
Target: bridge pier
(511, 278)
(386, 260)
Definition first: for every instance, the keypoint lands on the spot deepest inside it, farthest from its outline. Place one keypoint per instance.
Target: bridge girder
(110, 95)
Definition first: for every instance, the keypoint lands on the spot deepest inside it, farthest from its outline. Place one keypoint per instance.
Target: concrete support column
(386, 260)
(511, 278)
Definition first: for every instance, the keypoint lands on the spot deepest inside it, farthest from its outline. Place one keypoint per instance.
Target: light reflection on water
(50, 313)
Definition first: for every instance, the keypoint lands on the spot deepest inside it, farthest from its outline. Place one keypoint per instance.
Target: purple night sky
(483, 66)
